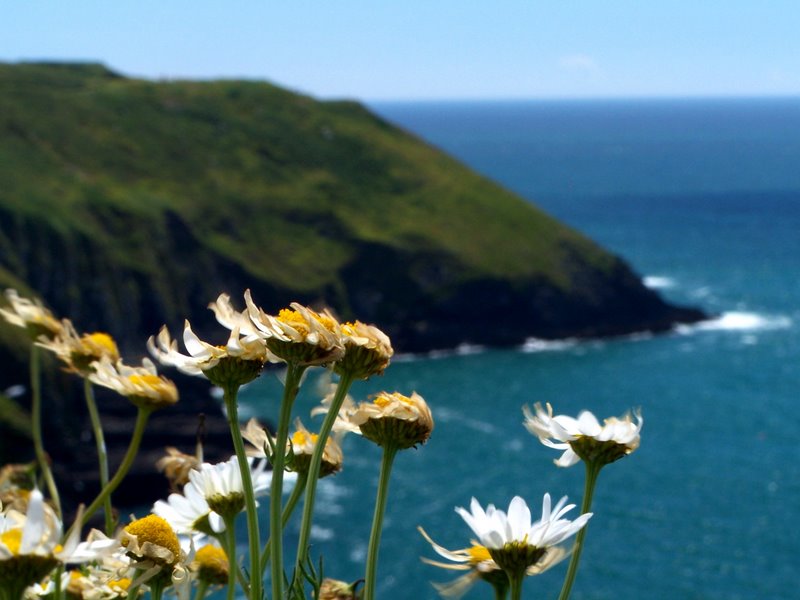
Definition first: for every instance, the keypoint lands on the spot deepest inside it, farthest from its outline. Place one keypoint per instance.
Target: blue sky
(429, 49)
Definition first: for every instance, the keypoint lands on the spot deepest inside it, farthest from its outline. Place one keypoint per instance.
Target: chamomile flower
(30, 546)
(31, 315)
(394, 419)
(221, 484)
(176, 466)
(79, 352)
(239, 361)
(479, 565)
(211, 565)
(515, 542)
(367, 351)
(585, 438)
(141, 385)
(298, 334)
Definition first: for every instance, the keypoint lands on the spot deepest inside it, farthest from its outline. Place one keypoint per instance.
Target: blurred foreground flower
(30, 546)
(78, 352)
(141, 385)
(30, 315)
(584, 438)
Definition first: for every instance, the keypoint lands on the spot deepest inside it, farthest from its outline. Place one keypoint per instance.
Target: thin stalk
(389, 453)
(592, 471)
(142, 416)
(286, 515)
(500, 591)
(202, 589)
(247, 488)
(102, 453)
(156, 587)
(36, 429)
(291, 386)
(516, 585)
(230, 551)
(313, 470)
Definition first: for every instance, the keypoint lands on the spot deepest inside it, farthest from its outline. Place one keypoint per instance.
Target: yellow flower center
(147, 380)
(293, 318)
(155, 530)
(100, 344)
(12, 539)
(120, 585)
(211, 557)
(301, 438)
(478, 554)
(383, 400)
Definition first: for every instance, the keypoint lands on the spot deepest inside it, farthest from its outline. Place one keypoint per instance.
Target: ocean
(702, 199)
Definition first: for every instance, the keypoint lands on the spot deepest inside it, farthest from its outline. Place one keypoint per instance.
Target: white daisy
(496, 528)
(584, 438)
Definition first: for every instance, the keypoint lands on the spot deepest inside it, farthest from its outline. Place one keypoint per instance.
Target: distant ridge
(125, 204)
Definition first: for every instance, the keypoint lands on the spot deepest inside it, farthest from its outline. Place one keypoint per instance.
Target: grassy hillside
(126, 203)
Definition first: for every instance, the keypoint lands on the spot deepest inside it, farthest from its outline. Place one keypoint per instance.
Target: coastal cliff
(126, 204)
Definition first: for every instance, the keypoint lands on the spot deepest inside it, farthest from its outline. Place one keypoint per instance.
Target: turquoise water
(703, 199)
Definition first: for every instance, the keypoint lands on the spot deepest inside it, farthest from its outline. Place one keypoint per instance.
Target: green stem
(36, 427)
(389, 453)
(500, 591)
(313, 470)
(287, 513)
(515, 582)
(142, 416)
(294, 373)
(202, 589)
(156, 587)
(102, 453)
(247, 488)
(230, 551)
(592, 471)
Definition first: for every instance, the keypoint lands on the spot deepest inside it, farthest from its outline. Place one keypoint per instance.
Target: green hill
(127, 203)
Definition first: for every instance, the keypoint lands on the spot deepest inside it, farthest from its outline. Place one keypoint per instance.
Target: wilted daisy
(480, 565)
(393, 419)
(367, 351)
(176, 466)
(298, 334)
(515, 542)
(30, 546)
(239, 361)
(78, 352)
(332, 589)
(31, 315)
(141, 385)
(585, 438)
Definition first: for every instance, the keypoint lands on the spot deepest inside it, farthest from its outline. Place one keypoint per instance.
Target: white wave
(540, 345)
(658, 282)
(739, 321)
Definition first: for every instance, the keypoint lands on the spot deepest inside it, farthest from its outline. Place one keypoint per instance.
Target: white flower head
(512, 537)
(221, 485)
(298, 334)
(30, 544)
(31, 315)
(585, 438)
(239, 360)
(479, 565)
(141, 385)
(80, 352)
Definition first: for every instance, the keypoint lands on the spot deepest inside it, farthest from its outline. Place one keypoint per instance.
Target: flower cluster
(187, 544)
